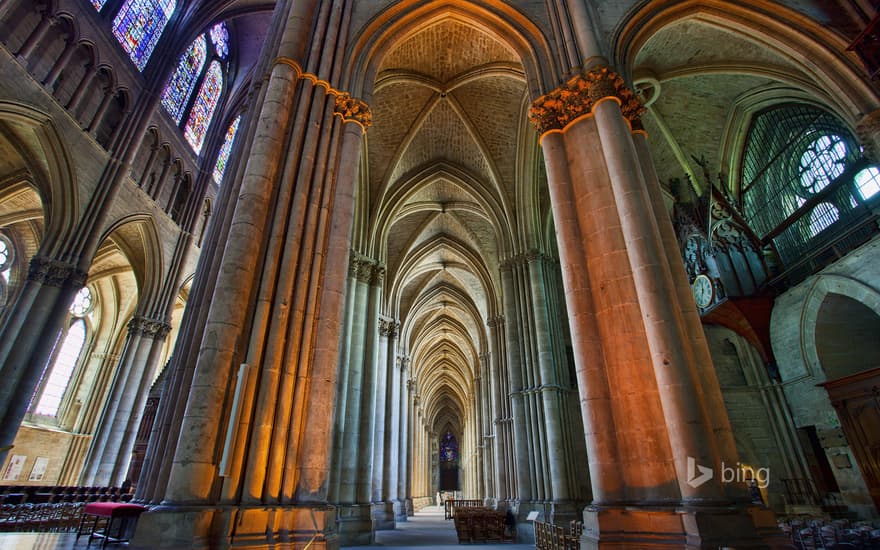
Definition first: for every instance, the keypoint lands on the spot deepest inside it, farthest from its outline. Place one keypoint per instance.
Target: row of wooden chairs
(450, 505)
(839, 534)
(483, 525)
(556, 537)
(43, 517)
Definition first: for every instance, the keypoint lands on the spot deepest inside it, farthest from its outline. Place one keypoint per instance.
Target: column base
(244, 527)
(400, 510)
(679, 527)
(355, 524)
(410, 511)
(383, 516)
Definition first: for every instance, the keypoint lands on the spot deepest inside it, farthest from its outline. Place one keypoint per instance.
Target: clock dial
(703, 291)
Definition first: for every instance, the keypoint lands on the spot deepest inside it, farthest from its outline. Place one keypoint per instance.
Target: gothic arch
(774, 28)
(823, 287)
(371, 43)
(137, 238)
(36, 139)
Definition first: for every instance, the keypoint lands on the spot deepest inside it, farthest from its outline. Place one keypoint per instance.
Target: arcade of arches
(294, 267)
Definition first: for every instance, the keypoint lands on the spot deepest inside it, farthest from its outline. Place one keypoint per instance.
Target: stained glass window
(138, 26)
(7, 256)
(203, 109)
(448, 448)
(180, 87)
(220, 39)
(223, 157)
(99, 4)
(62, 369)
(82, 302)
(868, 182)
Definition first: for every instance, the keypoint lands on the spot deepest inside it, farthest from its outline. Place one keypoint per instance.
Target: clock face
(703, 291)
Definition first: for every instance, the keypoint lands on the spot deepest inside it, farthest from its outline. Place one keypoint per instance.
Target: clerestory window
(805, 183)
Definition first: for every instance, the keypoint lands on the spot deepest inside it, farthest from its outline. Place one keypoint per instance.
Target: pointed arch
(180, 88)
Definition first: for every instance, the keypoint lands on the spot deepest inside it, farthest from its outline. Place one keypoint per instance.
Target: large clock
(704, 290)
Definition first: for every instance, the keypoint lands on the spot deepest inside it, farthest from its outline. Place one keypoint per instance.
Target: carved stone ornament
(352, 109)
(556, 109)
(55, 273)
(149, 328)
(388, 328)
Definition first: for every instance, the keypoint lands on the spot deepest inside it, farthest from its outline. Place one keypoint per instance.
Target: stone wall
(795, 317)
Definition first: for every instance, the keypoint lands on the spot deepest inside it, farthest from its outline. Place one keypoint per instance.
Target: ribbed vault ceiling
(442, 159)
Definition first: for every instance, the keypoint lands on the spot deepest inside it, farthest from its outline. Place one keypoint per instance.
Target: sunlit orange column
(648, 427)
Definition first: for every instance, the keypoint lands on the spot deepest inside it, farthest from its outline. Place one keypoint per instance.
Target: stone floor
(427, 529)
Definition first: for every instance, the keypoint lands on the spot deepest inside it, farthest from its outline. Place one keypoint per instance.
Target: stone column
(552, 394)
(612, 252)
(404, 444)
(383, 511)
(60, 64)
(107, 459)
(708, 380)
(81, 89)
(522, 453)
(497, 399)
(391, 486)
(92, 128)
(34, 39)
(276, 307)
(27, 335)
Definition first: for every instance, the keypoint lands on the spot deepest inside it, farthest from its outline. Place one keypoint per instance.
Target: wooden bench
(110, 521)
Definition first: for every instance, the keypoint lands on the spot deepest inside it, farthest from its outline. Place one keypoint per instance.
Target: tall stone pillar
(383, 509)
(553, 395)
(391, 419)
(107, 460)
(498, 400)
(251, 466)
(27, 335)
(635, 361)
(522, 454)
(405, 443)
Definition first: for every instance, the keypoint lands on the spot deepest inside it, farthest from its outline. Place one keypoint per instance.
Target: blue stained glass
(203, 108)
(138, 26)
(223, 157)
(448, 448)
(99, 4)
(180, 87)
(220, 39)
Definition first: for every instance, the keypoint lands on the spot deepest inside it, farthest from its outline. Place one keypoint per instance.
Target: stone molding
(577, 97)
(495, 321)
(147, 327)
(349, 108)
(55, 273)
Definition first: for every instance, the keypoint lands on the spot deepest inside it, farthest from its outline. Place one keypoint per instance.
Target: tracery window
(448, 448)
(805, 184)
(61, 369)
(203, 108)
(82, 302)
(183, 81)
(7, 256)
(202, 66)
(225, 149)
(138, 26)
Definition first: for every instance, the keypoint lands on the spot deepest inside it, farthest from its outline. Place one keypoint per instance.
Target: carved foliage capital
(147, 327)
(55, 273)
(388, 328)
(577, 96)
(353, 109)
